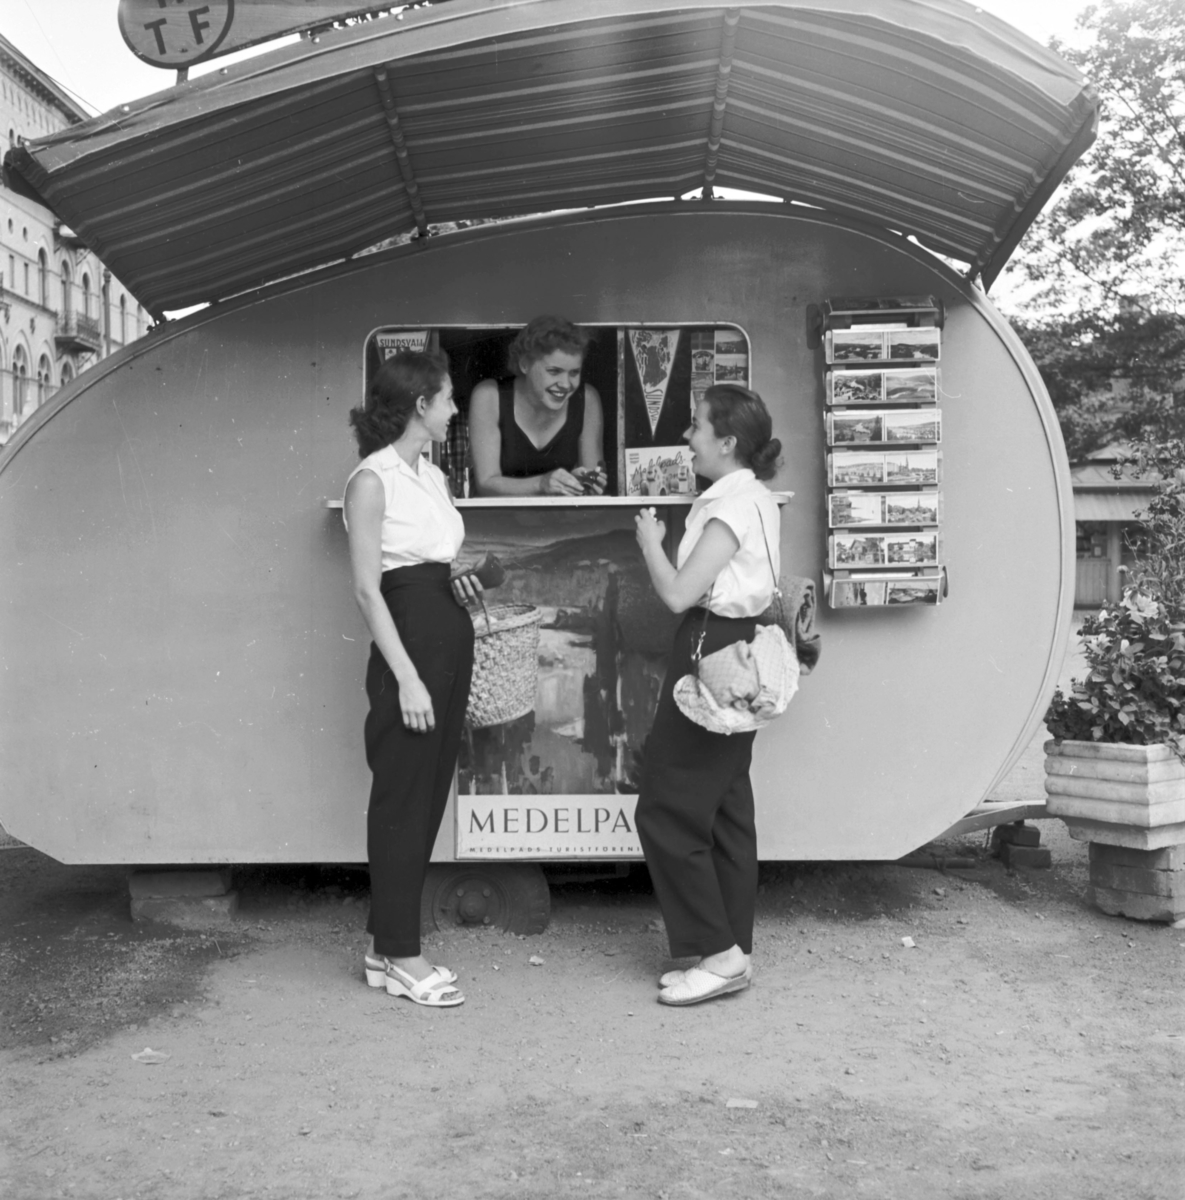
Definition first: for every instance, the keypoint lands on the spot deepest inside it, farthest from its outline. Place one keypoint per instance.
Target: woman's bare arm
(592, 436)
(364, 507)
(680, 589)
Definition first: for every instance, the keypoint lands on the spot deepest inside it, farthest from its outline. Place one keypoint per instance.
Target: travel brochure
(659, 471)
(893, 386)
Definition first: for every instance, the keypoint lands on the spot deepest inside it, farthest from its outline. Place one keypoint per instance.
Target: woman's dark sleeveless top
(520, 457)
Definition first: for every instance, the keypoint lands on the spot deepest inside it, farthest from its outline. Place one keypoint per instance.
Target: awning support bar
(732, 19)
(404, 159)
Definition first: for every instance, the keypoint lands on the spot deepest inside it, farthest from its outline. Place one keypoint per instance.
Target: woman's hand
(416, 704)
(650, 531)
(560, 483)
(592, 479)
(467, 588)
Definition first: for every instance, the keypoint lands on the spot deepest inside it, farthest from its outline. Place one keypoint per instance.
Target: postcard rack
(883, 424)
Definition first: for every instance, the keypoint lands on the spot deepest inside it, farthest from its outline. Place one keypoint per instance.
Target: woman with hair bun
(404, 533)
(539, 433)
(695, 804)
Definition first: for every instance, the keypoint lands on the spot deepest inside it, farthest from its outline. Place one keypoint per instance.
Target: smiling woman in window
(539, 433)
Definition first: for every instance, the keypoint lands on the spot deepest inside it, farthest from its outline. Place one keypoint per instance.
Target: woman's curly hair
(402, 380)
(541, 336)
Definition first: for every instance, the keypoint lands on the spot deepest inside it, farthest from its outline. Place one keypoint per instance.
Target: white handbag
(740, 687)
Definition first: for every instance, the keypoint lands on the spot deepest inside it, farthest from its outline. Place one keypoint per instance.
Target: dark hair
(541, 336)
(394, 390)
(738, 412)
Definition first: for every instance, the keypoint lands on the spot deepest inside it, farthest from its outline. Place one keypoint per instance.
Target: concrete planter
(1129, 803)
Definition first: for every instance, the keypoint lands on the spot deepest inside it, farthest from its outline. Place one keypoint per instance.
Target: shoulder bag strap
(768, 555)
(698, 652)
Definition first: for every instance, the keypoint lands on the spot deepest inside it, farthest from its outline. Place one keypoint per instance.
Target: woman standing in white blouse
(695, 804)
(404, 533)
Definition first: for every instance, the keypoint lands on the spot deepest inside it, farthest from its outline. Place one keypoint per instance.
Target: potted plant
(1114, 769)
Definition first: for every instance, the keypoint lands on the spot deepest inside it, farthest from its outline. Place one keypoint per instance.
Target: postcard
(909, 425)
(912, 508)
(857, 593)
(855, 387)
(912, 387)
(911, 549)
(703, 350)
(914, 343)
(920, 590)
(858, 550)
(732, 368)
(703, 363)
(855, 345)
(731, 341)
(856, 508)
(854, 425)
(853, 469)
(659, 471)
(921, 466)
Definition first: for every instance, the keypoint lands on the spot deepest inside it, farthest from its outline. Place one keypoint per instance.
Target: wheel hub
(474, 904)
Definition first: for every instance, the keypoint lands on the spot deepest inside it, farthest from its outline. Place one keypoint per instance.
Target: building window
(123, 320)
(86, 295)
(66, 291)
(43, 278)
(44, 379)
(20, 382)
(26, 266)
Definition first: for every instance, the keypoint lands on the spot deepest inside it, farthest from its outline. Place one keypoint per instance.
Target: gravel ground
(1024, 1046)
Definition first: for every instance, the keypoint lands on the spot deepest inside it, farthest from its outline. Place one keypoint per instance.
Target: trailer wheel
(512, 897)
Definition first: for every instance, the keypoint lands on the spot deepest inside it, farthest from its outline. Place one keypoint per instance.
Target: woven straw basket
(505, 664)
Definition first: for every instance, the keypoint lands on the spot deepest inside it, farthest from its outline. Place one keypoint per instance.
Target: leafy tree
(1104, 266)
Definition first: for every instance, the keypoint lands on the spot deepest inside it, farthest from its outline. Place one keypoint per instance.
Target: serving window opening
(648, 378)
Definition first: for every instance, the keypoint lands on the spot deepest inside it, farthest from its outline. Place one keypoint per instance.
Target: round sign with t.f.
(175, 33)
(179, 33)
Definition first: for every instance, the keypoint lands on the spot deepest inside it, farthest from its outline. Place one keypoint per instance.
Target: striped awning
(928, 117)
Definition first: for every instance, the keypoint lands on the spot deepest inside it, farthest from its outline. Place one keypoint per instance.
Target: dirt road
(1026, 1046)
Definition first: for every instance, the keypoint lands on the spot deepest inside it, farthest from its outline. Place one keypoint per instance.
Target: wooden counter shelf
(579, 501)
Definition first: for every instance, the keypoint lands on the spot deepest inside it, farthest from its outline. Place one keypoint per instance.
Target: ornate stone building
(61, 310)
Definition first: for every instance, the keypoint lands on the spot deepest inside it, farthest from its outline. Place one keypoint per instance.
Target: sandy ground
(1025, 1046)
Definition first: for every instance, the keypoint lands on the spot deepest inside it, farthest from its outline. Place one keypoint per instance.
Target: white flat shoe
(671, 978)
(699, 985)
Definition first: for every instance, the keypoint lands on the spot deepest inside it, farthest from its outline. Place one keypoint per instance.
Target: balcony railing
(77, 332)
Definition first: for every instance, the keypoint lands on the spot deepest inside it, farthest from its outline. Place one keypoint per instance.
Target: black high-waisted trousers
(695, 810)
(413, 772)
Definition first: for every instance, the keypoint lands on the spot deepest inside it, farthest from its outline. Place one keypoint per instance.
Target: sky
(79, 44)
